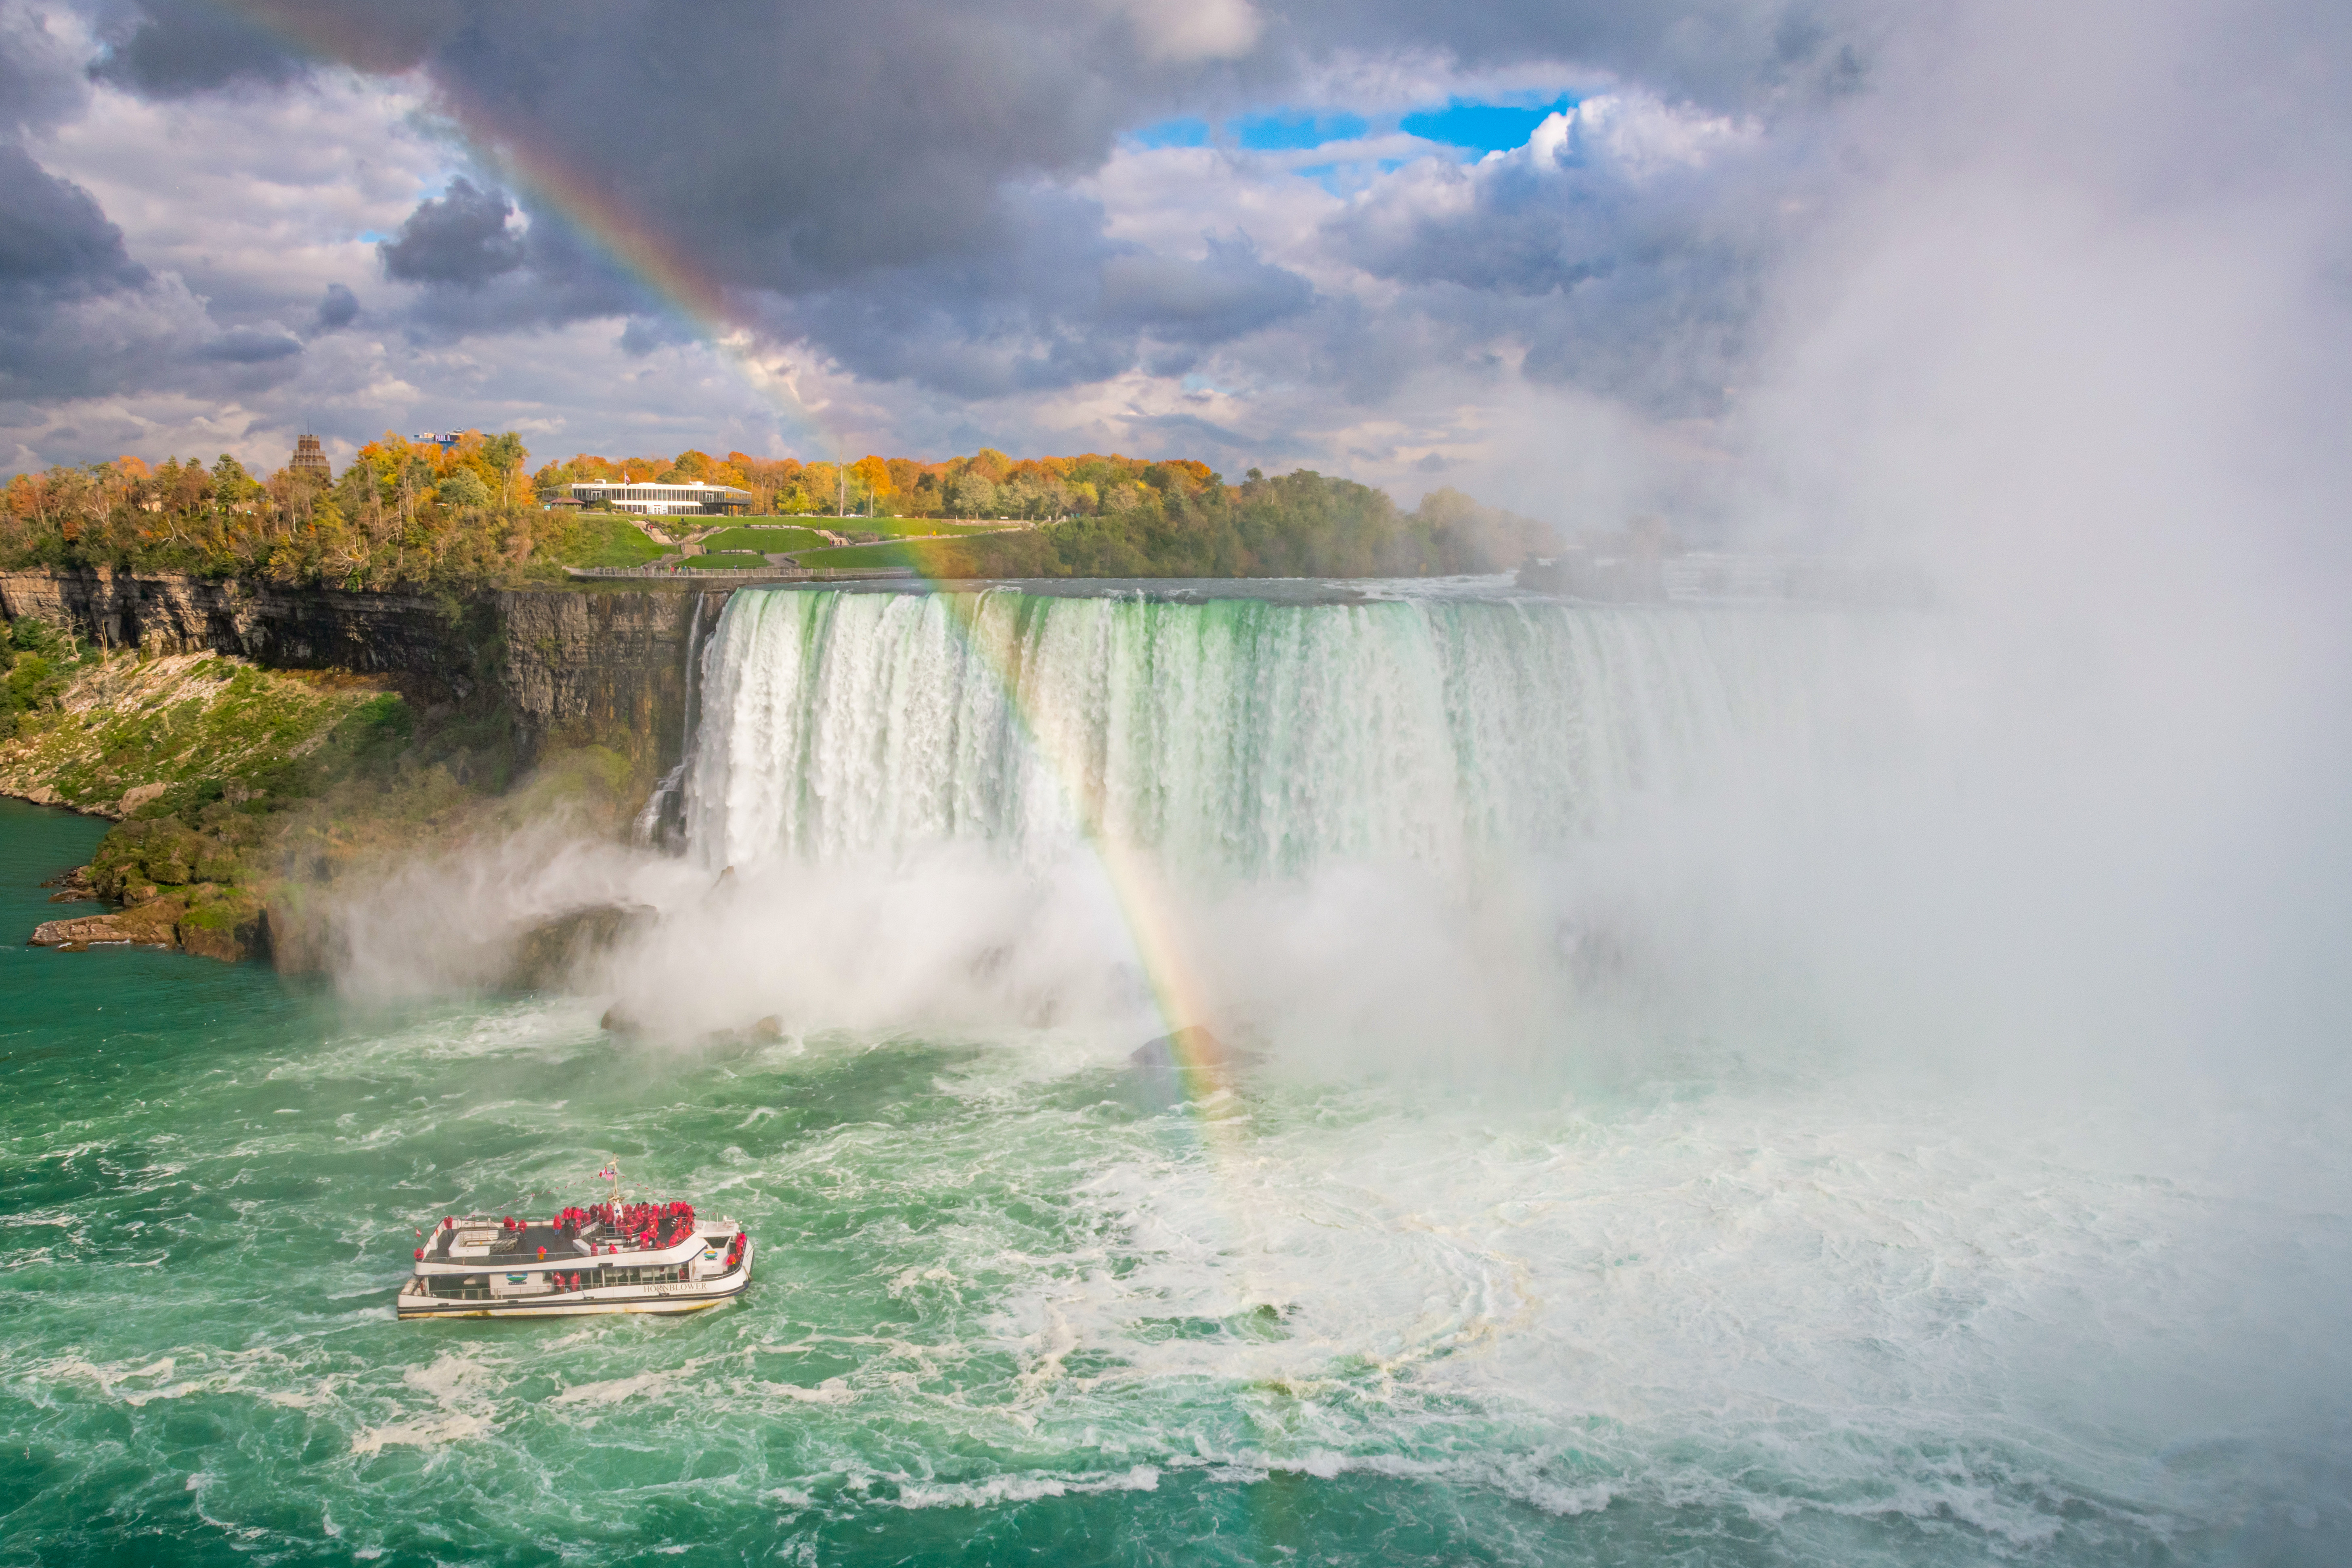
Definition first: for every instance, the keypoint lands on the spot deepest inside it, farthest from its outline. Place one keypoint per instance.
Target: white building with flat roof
(690, 496)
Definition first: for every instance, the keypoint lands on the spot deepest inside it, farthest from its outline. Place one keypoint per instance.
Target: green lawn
(764, 537)
(901, 528)
(885, 554)
(895, 528)
(600, 539)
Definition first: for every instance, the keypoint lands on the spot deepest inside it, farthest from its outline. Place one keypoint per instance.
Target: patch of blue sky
(1481, 128)
(1172, 133)
(1285, 131)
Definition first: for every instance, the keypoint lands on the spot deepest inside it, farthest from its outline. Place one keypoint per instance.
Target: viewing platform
(672, 573)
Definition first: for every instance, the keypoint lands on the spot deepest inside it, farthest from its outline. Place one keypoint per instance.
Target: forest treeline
(1300, 524)
(987, 485)
(472, 513)
(401, 513)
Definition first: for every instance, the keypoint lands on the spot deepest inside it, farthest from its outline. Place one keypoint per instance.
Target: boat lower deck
(658, 1300)
(473, 1271)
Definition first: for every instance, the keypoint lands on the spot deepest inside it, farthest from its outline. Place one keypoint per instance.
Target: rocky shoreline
(261, 745)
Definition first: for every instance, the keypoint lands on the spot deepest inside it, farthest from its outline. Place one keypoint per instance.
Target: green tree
(462, 487)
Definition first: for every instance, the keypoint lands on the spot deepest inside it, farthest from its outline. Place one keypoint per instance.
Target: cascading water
(1239, 738)
(1291, 801)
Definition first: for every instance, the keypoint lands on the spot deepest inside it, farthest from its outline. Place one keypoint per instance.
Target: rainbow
(1148, 916)
(663, 266)
(1129, 870)
(666, 268)
(1131, 873)
(721, 320)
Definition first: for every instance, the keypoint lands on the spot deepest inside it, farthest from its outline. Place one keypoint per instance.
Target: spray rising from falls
(1400, 814)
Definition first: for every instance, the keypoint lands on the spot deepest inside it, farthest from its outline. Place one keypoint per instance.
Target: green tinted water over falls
(1008, 1311)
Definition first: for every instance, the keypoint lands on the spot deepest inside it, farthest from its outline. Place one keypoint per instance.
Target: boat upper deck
(645, 1233)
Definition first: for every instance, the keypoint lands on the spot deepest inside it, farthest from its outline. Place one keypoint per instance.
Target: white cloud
(1183, 30)
(1386, 82)
(258, 202)
(1632, 135)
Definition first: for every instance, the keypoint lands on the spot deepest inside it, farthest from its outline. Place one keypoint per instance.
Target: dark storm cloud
(339, 310)
(787, 147)
(460, 236)
(39, 85)
(170, 48)
(57, 248)
(1725, 53)
(482, 272)
(78, 314)
(1229, 292)
(250, 346)
(185, 46)
(79, 317)
(1058, 305)
(867, 178)
(54, 242)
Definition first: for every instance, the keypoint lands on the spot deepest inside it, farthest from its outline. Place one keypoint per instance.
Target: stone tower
(309, 457)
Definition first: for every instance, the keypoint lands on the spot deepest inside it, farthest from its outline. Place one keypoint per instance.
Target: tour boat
(604, 1258)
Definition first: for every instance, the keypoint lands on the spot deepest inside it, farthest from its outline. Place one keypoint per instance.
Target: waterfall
(662, 824)
(1235, 739)
(1408, 817)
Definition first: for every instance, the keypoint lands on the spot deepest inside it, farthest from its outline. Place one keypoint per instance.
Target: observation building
(690, 496)
(309, 457)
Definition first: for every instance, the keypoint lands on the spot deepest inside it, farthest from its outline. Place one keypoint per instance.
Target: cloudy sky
(1586, 258)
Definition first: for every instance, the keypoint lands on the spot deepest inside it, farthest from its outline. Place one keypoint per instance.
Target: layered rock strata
(571, 667)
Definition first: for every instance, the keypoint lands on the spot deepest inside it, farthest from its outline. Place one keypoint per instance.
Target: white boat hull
(418, 1300)
(412, 1307)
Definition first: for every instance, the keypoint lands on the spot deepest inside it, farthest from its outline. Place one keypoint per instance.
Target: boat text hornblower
(605, 1257)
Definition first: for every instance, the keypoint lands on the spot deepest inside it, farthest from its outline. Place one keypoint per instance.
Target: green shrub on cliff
(196, 752)
(36, 660)
(138, 861)
(242, 787)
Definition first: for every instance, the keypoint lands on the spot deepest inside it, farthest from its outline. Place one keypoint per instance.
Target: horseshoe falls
(1690, 1113)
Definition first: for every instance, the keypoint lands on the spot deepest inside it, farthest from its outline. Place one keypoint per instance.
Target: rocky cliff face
(605, 669)
(572, 668)
(289, 628)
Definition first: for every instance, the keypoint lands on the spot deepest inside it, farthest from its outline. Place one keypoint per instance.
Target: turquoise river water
(1707, 1301)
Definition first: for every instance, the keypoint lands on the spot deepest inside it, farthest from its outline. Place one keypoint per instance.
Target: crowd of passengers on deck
(649, 1225)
